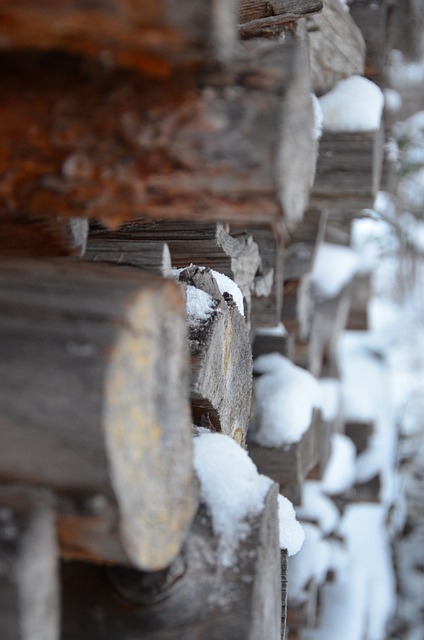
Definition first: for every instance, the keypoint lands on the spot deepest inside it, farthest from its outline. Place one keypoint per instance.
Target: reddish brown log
(150, 35)
(83, 140)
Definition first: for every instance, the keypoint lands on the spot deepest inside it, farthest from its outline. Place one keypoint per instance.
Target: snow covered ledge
(232, 553)
(351, 149)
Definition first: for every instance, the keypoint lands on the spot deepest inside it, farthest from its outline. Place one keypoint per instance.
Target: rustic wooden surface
(290, 465)
(263, 344)
(94, 374)
(337, 47)
(360, 296)
(210, 245)
(303, 241)
(266, 295)
(151, 36)
(377, 22)
(255, 9)
(124, 247)
(29, 576)
(229, 144)
(208, 602)
(42, 237)
(348, 173)
(221, 362)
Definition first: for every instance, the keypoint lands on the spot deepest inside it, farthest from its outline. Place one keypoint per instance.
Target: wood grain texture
(149, 35)
(113, 144)
(257, 9)
(125, 247)
(302, 243)
(189, 242)
(208, 602)
(52, 236)
(337, 47)
(289, 466)
(348, 173)
(221, 362)
(29, 577)
(95, 385)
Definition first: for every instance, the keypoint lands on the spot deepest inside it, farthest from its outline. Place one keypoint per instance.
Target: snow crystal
(286, 396)
(333, 268)
(199, 306)
(340, 471)
(231, 487)
(312, 562)
(317, 506)
(291, 532)
(318, 117)
(226, 285)
(330, 398)
(354, 104)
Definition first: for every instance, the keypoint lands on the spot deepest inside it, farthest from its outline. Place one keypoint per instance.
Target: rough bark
(94, 385)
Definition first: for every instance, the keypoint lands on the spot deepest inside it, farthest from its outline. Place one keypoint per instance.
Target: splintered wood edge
(148, 428)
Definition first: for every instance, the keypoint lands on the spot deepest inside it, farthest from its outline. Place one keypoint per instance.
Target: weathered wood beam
(302, 243)
(377, 21)
(24, 236)
(124, 246)
(336, 46)
(232, 144)
(209, 245)
(259, 18)
(221, 362)
(290, 465)
(208, 601)
(29, 576)
(94, 395)
(266, 296)
(348, 174)
(150, 35)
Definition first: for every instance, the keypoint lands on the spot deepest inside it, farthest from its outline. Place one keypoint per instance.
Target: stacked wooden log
(163, 196)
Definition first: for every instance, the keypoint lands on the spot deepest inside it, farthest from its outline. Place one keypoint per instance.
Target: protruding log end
(149, 442)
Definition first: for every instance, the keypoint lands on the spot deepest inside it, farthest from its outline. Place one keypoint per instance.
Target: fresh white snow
(291, 532)
(354, 104)
(199, 306)
(234, 491)
(316, 506)
(333, 268)
(226, 285)
(340, 472)
(286, 396)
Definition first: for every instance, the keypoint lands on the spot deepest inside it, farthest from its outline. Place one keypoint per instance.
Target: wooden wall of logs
(144, 144)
